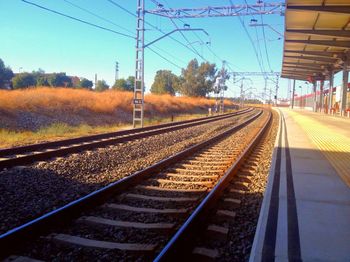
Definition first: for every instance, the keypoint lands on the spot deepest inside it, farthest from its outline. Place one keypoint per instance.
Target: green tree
(6, 74)
(59, 79)
(101, 85)
(85, 83)
(23, 80)
(40, 78)
(120, 84)
(197, 80)
(124, 84)
(165, 82)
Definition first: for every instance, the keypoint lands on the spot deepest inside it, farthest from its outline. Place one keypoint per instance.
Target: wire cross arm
(175, 30)
(217, 11)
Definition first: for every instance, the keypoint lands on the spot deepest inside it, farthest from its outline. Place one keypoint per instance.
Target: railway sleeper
(217, 232)
(99, 244)
(165, 211)
(91, 220)
(161, 199)
(191, 176)
(178, 190)
(200, 183)
(205, 254)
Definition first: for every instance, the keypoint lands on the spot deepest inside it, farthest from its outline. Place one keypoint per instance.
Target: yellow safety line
(335, 147)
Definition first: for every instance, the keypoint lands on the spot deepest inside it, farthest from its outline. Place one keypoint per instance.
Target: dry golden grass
(74, 100)
(58, 101)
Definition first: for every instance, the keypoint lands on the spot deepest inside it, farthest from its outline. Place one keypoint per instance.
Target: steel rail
(179, 245)
(88, 142)
(12, 240)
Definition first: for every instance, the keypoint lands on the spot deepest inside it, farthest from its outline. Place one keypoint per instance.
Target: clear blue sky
(32, 38)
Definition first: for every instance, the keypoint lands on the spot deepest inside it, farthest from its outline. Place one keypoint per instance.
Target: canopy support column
(330, 91)
(344, 87)
(314, 83)
(321, 95)
(293, 93)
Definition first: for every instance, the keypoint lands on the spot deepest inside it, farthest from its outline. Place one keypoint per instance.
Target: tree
(59, 79)
(165, 82)
(124, 84)
(40, 78)
(85, 83)
(197, 80)
(6, 74)
(23, 80)
(120, 84)
(101, 85)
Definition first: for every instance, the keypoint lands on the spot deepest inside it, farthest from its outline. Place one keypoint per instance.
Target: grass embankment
(45, 114)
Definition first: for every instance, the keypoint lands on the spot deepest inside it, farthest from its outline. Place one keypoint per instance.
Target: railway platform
(306, 208)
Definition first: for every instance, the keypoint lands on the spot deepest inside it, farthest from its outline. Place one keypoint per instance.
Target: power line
(266, 52)
(98, 16)
(166, 59)
(77, 19)
(250, 39)
(151, 25)
(169, 54)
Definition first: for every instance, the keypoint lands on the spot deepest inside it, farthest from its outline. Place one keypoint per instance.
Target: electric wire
(171, 62)
(250, 39)
(77, 19)
(98, 16)
(266, 52)
(198, 37)
(113, 23)
(151, 25)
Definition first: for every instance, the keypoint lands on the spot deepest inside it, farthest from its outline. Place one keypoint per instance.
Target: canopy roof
(317, 37)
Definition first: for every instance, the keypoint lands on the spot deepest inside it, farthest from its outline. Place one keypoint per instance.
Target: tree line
(196, 80)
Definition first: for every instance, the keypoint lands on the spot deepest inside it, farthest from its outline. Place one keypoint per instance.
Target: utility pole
(95, 81)
(276, 95)
(116, 71)
(207, 11)
(222, 85)
(139, 65)
(242, 96)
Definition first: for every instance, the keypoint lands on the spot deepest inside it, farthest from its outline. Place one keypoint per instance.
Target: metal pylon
(139, 65)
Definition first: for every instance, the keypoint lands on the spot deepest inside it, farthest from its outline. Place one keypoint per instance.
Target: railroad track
(138, 214)
(25, 155)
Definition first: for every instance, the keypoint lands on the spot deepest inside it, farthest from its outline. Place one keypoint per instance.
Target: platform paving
(305, 214)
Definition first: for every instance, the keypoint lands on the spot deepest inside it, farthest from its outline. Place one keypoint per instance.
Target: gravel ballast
(28, 192)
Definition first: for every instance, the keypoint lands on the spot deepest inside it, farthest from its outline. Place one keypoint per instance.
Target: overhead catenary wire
(78, 19)
(151, 25)
(266, 52)
(171, 62)
(115, 24)
(198, 37)
(98, 16)
(94, 25)
(250, 39)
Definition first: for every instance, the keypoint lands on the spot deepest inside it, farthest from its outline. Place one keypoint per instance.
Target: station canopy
(317, 37)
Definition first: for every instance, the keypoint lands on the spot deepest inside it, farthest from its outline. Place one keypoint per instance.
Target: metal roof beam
(341, 9)
(319, 59)
(298, 77)
(302, 67)
(302, 72)
(329, 43)
(305, 64)
(316, 53)
(330, 33)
